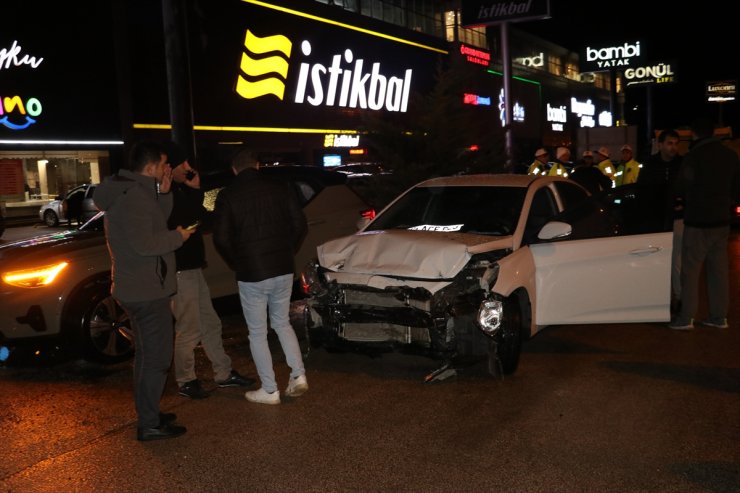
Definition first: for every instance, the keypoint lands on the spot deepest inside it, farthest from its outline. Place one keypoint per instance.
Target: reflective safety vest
(627, 173)
(557, 169)
(538, 168)
(607, 167)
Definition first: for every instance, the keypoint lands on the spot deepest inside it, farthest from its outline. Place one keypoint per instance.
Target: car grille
(382, 332)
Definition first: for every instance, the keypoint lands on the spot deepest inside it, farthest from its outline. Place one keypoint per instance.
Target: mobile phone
(190, 175)
(193, 226)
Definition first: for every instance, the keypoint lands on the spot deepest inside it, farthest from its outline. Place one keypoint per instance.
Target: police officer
(541, 164)
(604, 163)
(628, 168)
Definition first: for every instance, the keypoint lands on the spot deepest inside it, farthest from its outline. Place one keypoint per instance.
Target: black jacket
(258, 226)
(591, 178)
(664, 174)
(709, 182)
(187, 209)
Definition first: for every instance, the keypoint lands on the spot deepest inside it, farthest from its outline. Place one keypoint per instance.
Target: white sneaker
(721, 324)
(297, 386)
(260, 396)
(676, 325)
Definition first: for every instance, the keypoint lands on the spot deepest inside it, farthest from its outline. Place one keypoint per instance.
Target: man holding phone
(195, 318)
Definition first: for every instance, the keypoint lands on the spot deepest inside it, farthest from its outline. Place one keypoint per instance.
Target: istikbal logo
(342, 82)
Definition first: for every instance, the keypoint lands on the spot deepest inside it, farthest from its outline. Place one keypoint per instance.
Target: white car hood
(418, 255)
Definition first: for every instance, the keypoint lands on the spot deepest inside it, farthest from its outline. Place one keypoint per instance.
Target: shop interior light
(35, 277)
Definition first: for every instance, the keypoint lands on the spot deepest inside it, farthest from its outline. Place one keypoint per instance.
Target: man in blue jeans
(258, 226)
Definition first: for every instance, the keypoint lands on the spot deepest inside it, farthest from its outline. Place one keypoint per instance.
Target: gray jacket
(140, 244)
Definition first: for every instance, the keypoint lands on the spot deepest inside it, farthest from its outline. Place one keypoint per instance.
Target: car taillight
(737, 210)
(368, 214)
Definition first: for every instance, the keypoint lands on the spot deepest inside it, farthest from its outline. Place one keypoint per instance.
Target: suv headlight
(36, 277)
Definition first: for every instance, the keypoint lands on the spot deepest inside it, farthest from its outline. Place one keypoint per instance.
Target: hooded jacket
(140, 244)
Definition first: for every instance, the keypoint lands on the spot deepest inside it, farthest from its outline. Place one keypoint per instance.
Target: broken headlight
(311, 282)
(490, 315)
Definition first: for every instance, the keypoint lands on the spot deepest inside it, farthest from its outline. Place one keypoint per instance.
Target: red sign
(11, 176)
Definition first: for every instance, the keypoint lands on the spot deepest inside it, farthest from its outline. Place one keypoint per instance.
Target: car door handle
(645, 251)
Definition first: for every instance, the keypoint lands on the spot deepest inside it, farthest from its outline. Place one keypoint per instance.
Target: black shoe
(236, 380)
(193, 390)
(160, 432)
(166, 418)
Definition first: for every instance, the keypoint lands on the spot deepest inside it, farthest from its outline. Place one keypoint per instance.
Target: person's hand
(185, 232)
(193, 182)
(166, 183)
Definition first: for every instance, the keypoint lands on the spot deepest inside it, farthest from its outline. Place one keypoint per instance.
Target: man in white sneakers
(258, 226)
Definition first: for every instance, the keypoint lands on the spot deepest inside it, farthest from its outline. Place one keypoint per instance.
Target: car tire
(101, 327)
(506, 347)
(50, 218)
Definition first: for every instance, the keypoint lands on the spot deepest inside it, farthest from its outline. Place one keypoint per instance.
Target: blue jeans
(258, 298)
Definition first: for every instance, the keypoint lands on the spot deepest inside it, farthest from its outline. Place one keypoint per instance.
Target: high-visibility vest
(538, 168)
(607, 167)
(557, 169)
(627, 173)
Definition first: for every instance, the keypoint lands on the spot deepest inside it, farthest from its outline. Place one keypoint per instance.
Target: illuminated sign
(661, 73)
(343, 140)
(11, 56)
(343, 82)
(584, 110)
(16, 114)
(535, 61)
(476, 100)
(721, 91)
(517, 110)
(475, 55)
(597, 59)
(605, 119)
(488, 12)
(558, 116)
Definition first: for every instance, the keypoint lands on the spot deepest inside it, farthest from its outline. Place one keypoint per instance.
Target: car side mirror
(555, 230)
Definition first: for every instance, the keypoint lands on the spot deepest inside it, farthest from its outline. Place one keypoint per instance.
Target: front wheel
(102, 327)
(506, 346)
(50, 218)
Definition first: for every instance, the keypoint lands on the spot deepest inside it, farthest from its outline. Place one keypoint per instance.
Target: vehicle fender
(517, 271)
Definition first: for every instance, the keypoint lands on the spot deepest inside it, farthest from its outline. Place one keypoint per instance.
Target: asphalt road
(610, 408)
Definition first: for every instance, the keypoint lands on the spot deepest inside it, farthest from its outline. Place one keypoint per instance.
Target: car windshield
(478, 210)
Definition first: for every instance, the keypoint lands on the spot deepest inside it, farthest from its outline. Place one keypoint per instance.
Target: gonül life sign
(343, 79)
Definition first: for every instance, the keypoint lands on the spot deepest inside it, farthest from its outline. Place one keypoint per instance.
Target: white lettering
(558, 114)
(10, 57)
(582, 108)
(356, 89)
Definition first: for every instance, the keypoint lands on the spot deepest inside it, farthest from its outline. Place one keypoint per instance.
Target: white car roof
(489, 180)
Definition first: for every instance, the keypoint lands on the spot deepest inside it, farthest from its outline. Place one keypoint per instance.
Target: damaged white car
(468, 267)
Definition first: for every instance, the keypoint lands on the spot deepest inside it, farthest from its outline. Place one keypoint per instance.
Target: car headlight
(490, 314)
(35, 277)
(311, 283)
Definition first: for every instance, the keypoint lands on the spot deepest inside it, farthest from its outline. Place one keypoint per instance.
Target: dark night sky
(702, 37)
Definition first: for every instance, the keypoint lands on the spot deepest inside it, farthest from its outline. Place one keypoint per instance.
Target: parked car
(54, 212)
(470, 266)
(57, 286)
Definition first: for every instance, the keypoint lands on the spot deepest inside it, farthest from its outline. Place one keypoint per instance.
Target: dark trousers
(151, 322)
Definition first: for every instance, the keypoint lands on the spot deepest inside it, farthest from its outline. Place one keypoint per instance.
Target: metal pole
(506, 62)
(178, 74)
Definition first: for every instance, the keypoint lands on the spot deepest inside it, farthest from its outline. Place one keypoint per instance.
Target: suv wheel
(504, 350)
(102, 327)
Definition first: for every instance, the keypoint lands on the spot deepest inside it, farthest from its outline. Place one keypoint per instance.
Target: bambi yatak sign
(344, 78)
(598, 58)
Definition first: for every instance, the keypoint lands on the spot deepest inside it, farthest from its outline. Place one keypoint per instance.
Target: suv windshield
(478, 210)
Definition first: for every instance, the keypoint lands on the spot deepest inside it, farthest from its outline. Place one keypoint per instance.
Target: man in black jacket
(258, 226)
(195, 318)
(708, 181)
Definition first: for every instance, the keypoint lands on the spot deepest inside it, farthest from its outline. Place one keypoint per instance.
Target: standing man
(258, 226)
(628, 169)
(196, 321)
(708, 180)
(588, 175)
(562, 165)
(605, 164)
(662, 169)
(137, 203)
